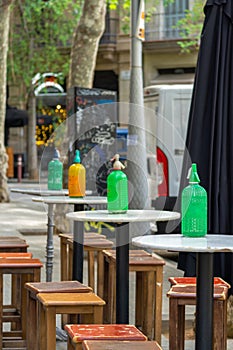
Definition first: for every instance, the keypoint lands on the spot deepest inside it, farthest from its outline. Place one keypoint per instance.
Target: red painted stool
(181, 295)
(77, 333)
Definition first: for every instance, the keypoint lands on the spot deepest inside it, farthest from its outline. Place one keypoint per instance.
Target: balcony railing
(111, 30)
(162, 27)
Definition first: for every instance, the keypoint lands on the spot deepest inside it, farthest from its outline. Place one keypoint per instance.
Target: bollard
(19, 168)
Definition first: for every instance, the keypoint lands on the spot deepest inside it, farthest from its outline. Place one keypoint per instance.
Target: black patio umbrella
(209, 140)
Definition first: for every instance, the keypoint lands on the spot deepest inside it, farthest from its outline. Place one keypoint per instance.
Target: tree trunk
(85, 43)
(32, 150)
(4, 31)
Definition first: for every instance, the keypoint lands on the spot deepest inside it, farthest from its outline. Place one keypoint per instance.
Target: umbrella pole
(204, 311)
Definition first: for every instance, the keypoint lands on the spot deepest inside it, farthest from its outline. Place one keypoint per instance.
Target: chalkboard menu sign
(92, 115)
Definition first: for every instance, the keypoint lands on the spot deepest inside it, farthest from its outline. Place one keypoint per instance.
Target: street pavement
(21, 214)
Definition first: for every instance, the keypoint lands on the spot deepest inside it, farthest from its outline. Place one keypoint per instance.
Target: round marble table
(204, 247)
(122, 222)
(43, 192)
(51, 201)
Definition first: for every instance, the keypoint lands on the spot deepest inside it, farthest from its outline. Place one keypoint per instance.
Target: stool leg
(158, 304)
(41, 338)
(98, 314)
(112, 292)
(69, 344)
(64, 269)
(16, 298)
(1, 308)
(105, 290)
(70, 264)
(31, 322)
(219, 323)
(51, 328)
(176, 325)
(63, 259)
(138, 299)
(148, 292)
(47, 328)
(100, 274)
(91, 269)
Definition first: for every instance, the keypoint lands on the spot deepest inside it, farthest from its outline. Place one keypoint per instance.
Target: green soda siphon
(117, 188)
(55, 172)
(194, 207)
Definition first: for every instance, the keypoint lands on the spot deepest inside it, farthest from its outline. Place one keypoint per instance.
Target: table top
(130, 216)
(68, 200)
(179, 243)
(43, 192)
(39, 191)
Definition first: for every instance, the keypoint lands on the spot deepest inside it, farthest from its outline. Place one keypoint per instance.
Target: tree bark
(85, 43)
(4, 31)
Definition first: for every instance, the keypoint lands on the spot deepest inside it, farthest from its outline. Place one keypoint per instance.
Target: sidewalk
(24, 214)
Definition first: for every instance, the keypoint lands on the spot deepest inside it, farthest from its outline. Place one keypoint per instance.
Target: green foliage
(190, 27)
(39, 30)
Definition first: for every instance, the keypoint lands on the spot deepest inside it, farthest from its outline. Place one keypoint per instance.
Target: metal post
(50, 246)
(19, 168)
(122, 274)
(136, 153)
(204, 314)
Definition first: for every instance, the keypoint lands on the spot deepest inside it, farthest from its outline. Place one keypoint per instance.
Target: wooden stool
(149, 283)
(11, 311)
(64, 251)
(29, 270)
(13, 244)
(94, 248)
(78, 333)
(182, 295)
(32, 308)
(50, 304)
(120, 345)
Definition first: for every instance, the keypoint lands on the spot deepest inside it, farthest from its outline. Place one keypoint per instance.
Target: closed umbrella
(209, 140)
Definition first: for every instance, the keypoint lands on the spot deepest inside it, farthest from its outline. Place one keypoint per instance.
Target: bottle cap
(77, 157)
(194, 178)
(56, 154)
(117, 164)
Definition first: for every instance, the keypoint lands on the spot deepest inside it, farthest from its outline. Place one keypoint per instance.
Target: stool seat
(88, 305)
(120, 345)
(17, 255)
(58, 287)
(64, 299)
(13, 245)
(18, 263)
(189, 291)
(181, 295)
(77, 333)
(193, 280)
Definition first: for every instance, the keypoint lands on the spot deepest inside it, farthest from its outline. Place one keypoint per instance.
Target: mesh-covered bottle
(117, 189)
(194, 207)
(55, 172)
(77, 178)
